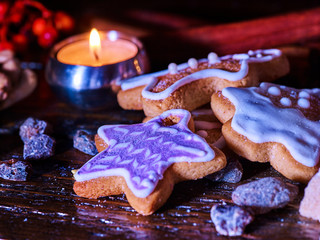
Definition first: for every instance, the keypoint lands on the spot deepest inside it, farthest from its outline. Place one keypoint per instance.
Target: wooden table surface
(45, 206)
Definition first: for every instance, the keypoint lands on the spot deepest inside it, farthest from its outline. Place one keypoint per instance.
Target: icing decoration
(285, 102)
(141, 153)
(274, 91)
(250, 52)
(240, 56)
(261, 117)
(151, 79)
(213, 58)
(260, 55)
(304, 103)
(293, 94)
(193, 63)
(231, 76)
(173, 68)
(145, 79)
(304, 94)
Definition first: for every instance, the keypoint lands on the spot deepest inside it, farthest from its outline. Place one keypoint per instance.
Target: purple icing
(141, 153)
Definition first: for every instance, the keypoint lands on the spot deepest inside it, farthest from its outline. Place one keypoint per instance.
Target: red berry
(39, 26)
(19, 4)
(3, 7)
(3, 10)
(46, 13)
(47, 38)
(63, 22)
(16, 18)
(20, 41)
(5, 45)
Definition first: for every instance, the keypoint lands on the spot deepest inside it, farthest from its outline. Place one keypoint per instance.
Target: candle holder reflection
(89, 86)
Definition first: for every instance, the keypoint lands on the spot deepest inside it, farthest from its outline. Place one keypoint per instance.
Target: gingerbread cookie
(145, 160)
(190, 85)
(275, 124)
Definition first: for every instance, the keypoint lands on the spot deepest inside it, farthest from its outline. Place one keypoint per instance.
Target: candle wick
(96, 56)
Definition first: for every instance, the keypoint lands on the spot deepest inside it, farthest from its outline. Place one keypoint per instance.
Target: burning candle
(88, 75)
(95, 52)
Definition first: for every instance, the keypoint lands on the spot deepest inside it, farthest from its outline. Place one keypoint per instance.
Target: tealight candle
(95, 53)
(87, 73)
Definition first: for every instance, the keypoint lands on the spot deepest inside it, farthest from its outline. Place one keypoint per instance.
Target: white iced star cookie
(145, 160)
(190, 85)
(275, 124)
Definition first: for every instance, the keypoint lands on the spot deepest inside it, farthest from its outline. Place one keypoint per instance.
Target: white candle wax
(79, 53)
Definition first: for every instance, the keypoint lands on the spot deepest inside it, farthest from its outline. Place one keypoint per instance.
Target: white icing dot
(274, 91)
(212, 58)
(285, 102)
(250, 52)
(304, 103)
(304, 94)
(293, 94)
(283, 87)
(264, 85)
(259, 55)
(193, 63)
(173, 68)
(315, 90)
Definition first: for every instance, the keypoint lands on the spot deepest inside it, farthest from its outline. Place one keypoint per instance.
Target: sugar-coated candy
(264, 194)
(84, 142)
(232, 173)
(230, 219)
(39, 147)
(32, 127)
(15, 170)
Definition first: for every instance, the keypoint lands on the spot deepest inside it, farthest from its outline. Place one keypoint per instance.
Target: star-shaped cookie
(275, 124)
(145, 160)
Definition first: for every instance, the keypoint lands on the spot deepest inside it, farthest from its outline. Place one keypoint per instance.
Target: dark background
(211, 11)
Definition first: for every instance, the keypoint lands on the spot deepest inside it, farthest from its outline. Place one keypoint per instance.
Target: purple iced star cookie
(141, 153)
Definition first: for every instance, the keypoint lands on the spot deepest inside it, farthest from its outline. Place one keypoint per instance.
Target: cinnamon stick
(258, 33)
(276, 39)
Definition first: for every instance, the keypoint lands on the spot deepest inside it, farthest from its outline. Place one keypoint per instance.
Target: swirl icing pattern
(141, 153)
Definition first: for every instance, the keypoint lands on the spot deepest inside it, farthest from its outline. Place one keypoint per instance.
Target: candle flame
(95, 43)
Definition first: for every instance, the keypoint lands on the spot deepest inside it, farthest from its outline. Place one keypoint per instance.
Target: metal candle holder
(88, 87)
